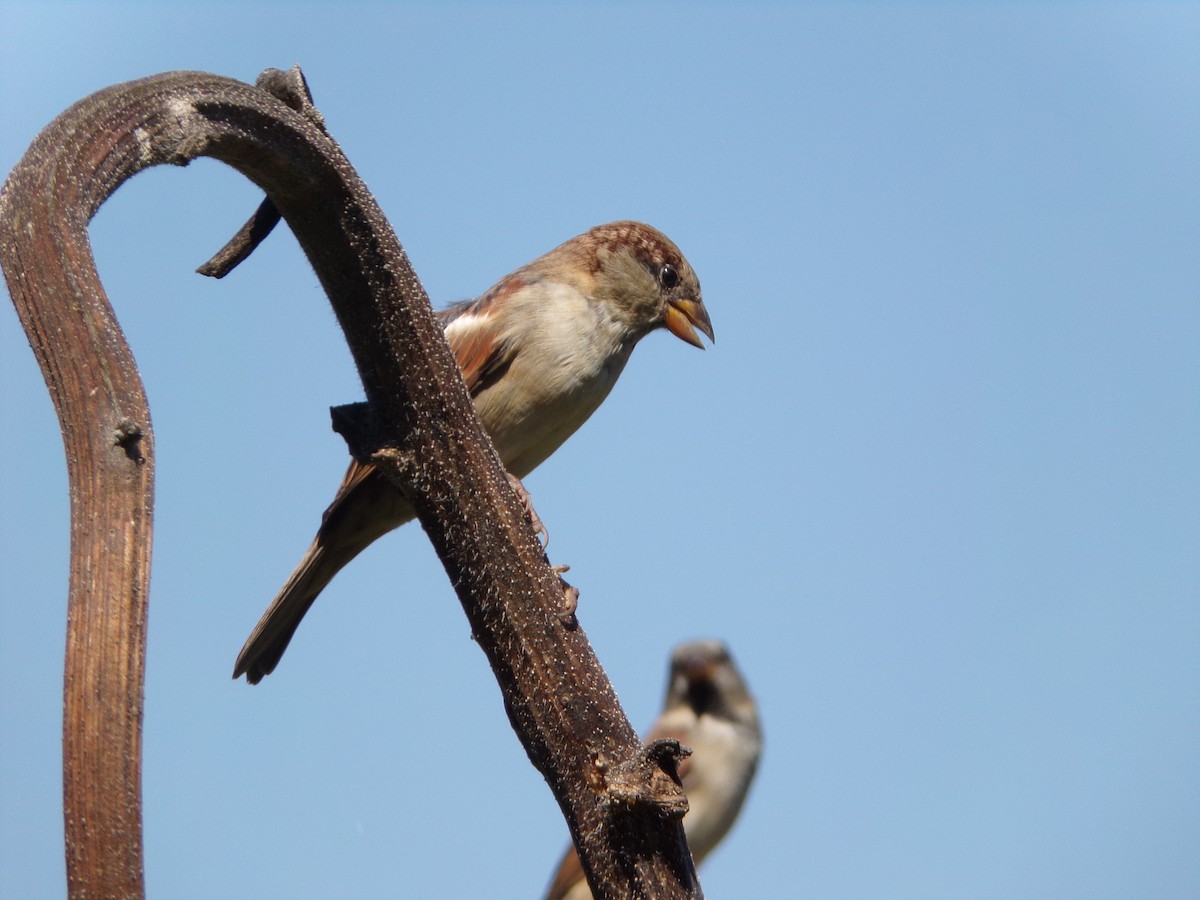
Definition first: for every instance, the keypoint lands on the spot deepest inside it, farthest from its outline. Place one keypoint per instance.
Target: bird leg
(570, 592)
(535, 520)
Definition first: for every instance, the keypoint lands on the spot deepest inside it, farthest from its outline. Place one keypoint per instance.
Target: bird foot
(570, 595)
(535, 520)
(570, 592)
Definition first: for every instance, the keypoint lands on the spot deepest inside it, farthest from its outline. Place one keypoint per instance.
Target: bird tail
(273, 633)
(366, 507)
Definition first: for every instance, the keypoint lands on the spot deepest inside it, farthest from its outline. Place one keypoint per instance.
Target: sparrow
(539, 351)
(709, 709)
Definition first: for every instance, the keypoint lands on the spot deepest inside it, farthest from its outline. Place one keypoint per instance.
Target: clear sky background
(937, 484)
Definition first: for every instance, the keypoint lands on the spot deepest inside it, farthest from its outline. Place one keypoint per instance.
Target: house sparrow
(539, 352)
(708, 709)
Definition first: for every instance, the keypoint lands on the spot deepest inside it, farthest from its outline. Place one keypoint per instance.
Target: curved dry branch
(621, 802)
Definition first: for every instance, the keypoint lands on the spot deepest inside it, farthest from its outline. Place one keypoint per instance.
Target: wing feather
(483, 352)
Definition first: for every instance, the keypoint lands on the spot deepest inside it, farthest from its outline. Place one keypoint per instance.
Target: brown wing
(480, 349)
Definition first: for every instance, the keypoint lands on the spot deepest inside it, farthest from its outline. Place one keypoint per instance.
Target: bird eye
(668, 277)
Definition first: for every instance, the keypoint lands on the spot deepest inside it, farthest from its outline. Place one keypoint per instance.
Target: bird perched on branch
(709, 709)
(539, 352)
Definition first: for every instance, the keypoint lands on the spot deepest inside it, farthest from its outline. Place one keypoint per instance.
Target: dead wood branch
(622, 803)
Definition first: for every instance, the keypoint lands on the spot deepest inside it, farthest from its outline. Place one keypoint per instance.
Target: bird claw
(570, 592)
(539, 528)
(570, 595)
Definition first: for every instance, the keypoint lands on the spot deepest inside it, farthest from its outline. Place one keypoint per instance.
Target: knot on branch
(650, 779)
(128, 436)
(291, 87)
(356, 424)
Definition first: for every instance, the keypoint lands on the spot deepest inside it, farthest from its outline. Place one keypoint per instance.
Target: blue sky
(936, 484)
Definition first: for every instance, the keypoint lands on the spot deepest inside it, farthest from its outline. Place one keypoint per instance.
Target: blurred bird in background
(709, 709)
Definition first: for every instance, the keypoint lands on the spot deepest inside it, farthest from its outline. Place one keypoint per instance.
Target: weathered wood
(622, 802)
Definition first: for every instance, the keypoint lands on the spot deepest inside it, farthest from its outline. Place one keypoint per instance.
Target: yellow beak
(682, 319)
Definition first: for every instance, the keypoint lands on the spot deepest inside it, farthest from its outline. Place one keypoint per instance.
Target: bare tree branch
(243, 242)
(622, 802)
(291, 88)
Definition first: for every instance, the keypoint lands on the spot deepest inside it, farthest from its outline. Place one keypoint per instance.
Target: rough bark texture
(621, 801)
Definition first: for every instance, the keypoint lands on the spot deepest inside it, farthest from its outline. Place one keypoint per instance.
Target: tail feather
(366, 507)
(271, 636)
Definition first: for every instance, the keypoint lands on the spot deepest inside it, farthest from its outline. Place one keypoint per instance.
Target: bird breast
(571, 354)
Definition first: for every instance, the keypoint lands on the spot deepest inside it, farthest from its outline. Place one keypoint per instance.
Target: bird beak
(682, 319)
(698, 669)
